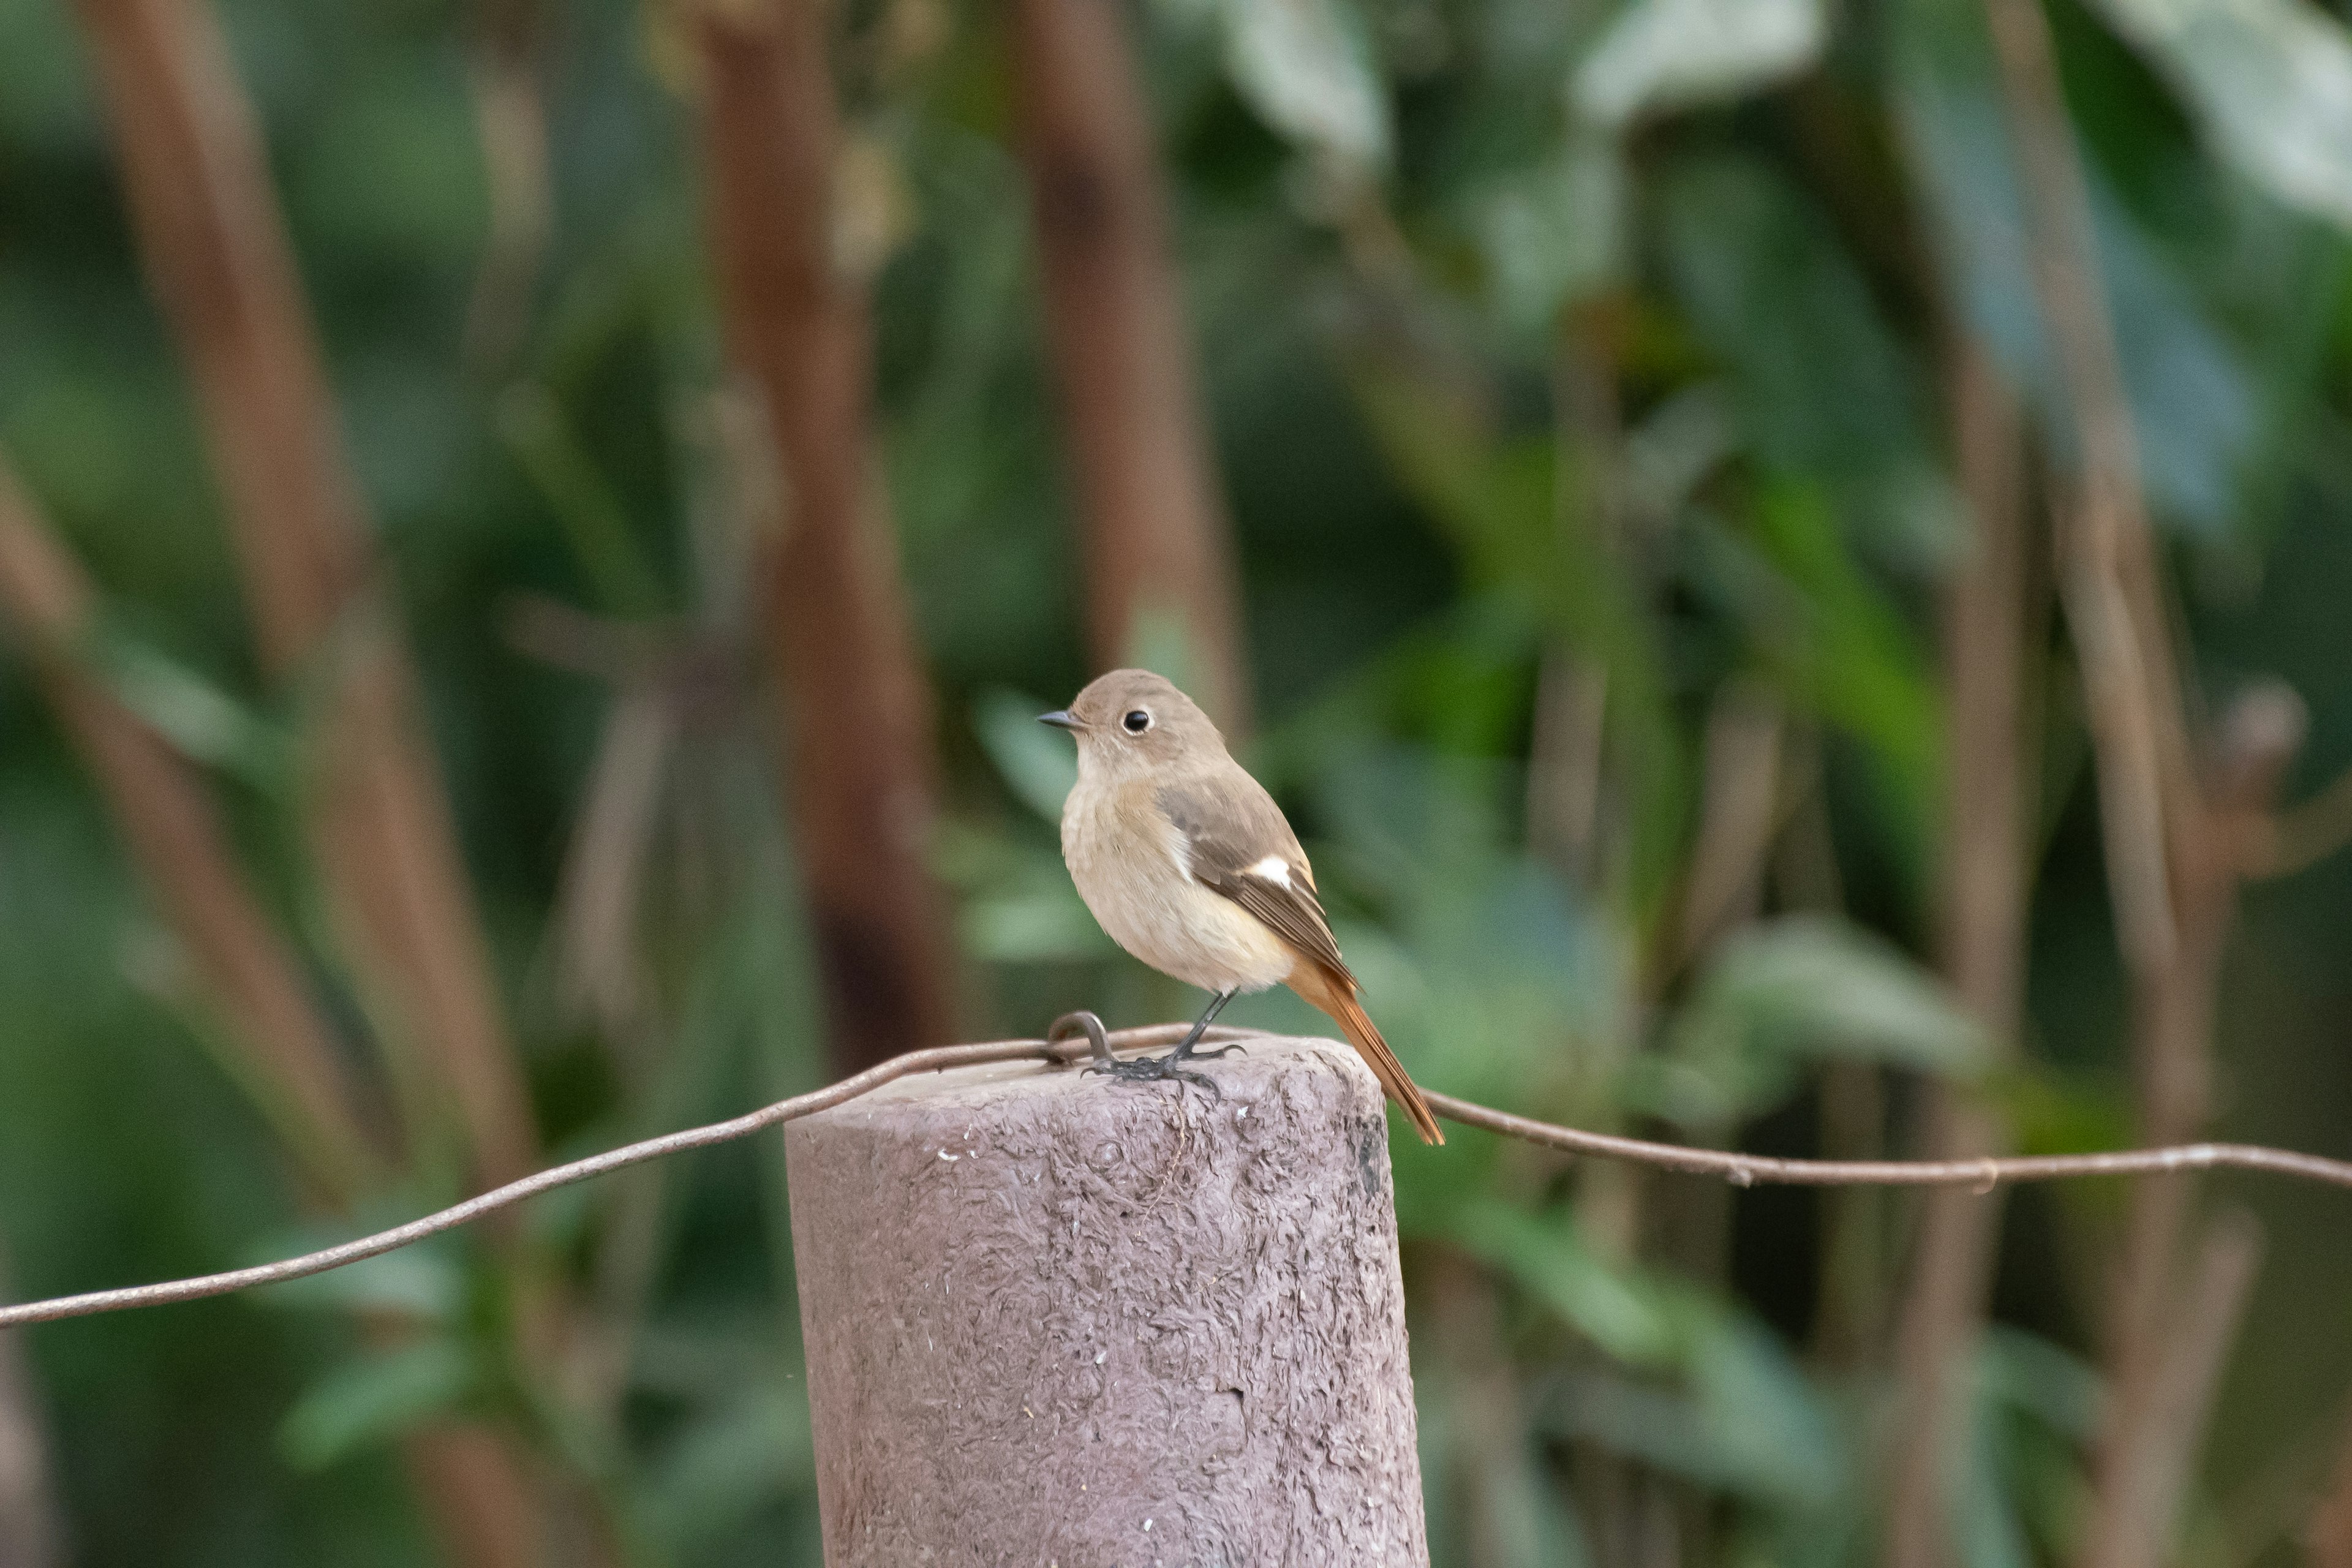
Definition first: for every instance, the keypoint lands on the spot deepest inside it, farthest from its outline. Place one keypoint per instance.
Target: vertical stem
(1738, 802)
(2328, 1535)
(510, 123)
(1983, 917)
(2152, 1425)
(2170, 849)
(471, 1482)
(1493, 1476)
(287, 1052)
(1157, 543)
(2143, 1480)
(219, 261)
(28, 1525)
(1567, 786)
(856, 702)
(2107, 573)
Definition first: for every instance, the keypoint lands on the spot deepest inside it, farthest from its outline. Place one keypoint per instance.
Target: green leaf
(1839, 645)
(367, 1401)
(1546, 1257)
(1501, 501)
(726, 1464)
(2191, 400)
(2270, 81)
(1736, 1412)
(190, 710)
(1018, 905)
(1804, 988)
(1766, 1424)
(1307, 67)
(1663, 54)
(421, 1282)
(1555, 231)
(1822, 383)
(2027, 1373)
(1037, 762)
(572, 481)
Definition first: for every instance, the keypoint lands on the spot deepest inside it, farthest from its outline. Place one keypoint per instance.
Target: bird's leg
(1185, 1051)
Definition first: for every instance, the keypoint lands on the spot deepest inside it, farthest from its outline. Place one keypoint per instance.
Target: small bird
(1190, 865)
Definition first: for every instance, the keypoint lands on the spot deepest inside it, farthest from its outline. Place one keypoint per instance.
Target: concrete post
(1062, 1321)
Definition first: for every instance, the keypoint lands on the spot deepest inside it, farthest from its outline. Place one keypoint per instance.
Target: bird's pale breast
(1127, 860)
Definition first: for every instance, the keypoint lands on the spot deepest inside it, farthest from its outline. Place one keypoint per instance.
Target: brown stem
(28, 1524)
(217, 259)
(2172, 849)
(2108, 576)
(1157, 544)
(2328, 1535)
(2142, 1483)
(1739, 818)
(1567, 787)
(286, 1051)
(2175, 1008)
(510, 123)
(856, 701)
(472, 1482)
(469, 1481)
(1491, 1477)
(1985, 880)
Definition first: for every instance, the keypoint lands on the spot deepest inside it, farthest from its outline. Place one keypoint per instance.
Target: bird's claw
(1155, 1070)
(1143, 1069)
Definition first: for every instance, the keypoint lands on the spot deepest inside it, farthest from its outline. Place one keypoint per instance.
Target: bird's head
(1131, 721)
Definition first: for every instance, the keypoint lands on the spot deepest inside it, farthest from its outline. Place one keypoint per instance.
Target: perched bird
(1190, 865)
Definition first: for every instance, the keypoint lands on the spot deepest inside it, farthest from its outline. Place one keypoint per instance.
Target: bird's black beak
(1060, 719)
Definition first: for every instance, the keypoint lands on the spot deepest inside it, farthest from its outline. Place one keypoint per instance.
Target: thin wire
(1739, 1169)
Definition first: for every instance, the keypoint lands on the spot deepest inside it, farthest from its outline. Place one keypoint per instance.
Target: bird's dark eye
(1137, 721)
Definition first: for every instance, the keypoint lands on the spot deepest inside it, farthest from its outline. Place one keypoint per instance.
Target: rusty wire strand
(1739, 1169)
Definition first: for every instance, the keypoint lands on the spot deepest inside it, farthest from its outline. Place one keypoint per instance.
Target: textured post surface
(1060, 1320)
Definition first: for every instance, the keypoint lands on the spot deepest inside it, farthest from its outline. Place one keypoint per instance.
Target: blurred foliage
(1409, 230)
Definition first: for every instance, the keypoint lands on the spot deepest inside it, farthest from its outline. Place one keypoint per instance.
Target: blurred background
(1788, 559)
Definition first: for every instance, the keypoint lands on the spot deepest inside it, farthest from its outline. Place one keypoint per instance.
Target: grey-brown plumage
(1190, 865)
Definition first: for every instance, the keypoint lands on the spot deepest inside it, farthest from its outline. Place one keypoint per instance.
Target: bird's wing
(1237, 844)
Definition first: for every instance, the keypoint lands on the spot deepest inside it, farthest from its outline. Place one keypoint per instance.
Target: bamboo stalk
(510, 123)
(2141, 1464)
(1985, 890)
(384, 846)
(1157, 544)
(29, 1537)
(2173, 845)
(166, 818)
(219, 261)
(2327, 1534)
(2147, 1477)
(856, 702)
(283, 1047)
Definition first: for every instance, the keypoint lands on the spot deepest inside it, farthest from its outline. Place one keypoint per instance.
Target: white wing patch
(1273, 868)
(1180, 850)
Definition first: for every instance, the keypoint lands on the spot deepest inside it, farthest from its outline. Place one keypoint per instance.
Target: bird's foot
(1142, 1069)
(1156, 1069)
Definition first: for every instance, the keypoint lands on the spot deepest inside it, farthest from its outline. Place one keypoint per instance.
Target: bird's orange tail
(1336, 994)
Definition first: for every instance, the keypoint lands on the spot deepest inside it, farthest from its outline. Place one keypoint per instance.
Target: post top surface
(1262, 1061)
